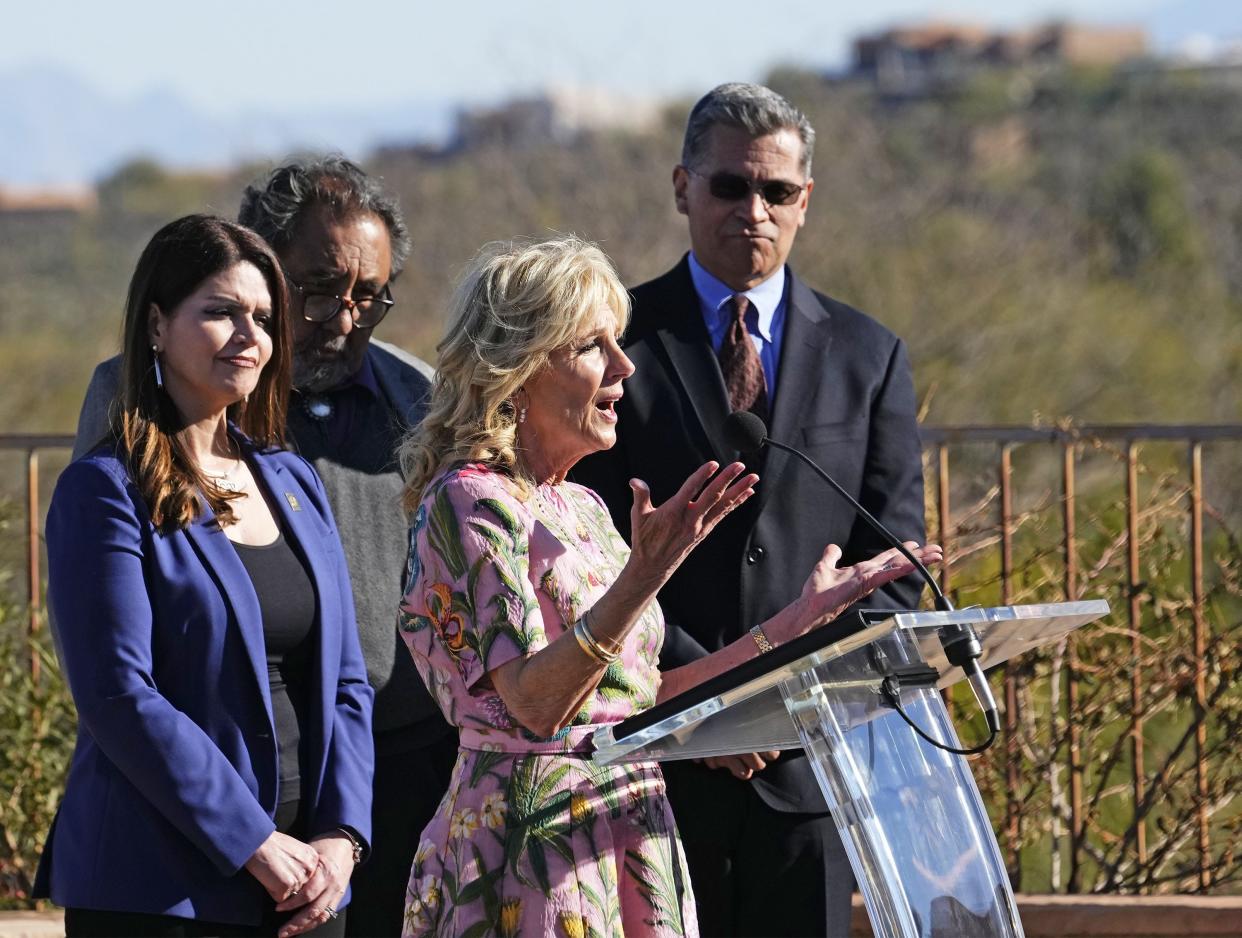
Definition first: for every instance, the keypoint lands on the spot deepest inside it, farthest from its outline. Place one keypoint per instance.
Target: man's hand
(743, 765)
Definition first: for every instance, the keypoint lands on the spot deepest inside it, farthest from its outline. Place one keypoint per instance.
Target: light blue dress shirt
(765, 320)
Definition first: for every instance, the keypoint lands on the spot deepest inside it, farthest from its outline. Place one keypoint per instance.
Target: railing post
(1059, 723)
(942, 530)
(1133, 583)
(1013, 773)
(1201, 644)
(1077, 827)
(942, 511)
(34, 589)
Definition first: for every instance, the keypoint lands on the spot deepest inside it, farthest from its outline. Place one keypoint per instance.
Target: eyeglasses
(366, 310)
(729, 187)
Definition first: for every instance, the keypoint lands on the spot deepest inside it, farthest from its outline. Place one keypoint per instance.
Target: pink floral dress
(532, 838)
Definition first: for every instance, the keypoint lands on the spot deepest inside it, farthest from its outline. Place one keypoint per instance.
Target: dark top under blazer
(173, 783)
(844, 396)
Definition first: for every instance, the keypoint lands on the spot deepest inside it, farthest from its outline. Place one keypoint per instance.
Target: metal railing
(939, 442)
(1065, 690)
(32, 444)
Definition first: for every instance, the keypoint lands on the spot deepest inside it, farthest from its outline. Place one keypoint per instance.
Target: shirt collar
(765, 297)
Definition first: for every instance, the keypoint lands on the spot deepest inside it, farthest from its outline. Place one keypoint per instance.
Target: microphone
(747, 433)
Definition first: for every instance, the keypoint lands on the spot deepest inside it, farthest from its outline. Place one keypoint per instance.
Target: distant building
(60, 202)
(913, 60)
(1205, 59)
(560, 115)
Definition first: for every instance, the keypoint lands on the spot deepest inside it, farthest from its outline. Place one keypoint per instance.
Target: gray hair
(274, 208)
(757, 110)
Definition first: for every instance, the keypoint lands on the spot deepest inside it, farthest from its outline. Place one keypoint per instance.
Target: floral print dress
(532, 838)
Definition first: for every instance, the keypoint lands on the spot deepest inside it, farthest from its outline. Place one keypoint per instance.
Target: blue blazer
(173, 783)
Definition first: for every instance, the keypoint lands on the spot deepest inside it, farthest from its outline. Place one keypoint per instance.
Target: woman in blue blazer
(221, 783)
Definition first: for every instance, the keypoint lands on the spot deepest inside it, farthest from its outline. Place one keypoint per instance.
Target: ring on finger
(332, 913)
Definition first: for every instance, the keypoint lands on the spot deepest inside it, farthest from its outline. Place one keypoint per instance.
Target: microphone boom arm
(942, 601)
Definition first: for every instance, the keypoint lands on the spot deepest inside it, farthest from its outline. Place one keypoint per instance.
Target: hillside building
(934, 57)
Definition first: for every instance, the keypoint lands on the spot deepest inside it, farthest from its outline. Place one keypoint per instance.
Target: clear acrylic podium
(910, 816)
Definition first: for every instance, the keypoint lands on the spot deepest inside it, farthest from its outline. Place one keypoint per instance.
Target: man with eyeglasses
(342, 242)
(731, 327)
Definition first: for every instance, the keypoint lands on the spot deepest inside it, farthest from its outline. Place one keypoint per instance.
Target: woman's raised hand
(830, 589)
(662, 537)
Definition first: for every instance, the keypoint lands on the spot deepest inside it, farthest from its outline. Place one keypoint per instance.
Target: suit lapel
(804, 352)
(221, 560)
(684, 337)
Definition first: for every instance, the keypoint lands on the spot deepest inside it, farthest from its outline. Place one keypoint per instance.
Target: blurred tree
(1141, 207)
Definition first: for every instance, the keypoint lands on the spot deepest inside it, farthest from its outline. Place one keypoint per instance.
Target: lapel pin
(293, 501)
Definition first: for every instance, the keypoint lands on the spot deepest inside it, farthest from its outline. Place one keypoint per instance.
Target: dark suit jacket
(173, 783)
(844, 396)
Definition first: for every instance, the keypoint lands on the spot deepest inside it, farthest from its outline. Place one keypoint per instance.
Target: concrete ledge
(1114, 917)
(32, 924)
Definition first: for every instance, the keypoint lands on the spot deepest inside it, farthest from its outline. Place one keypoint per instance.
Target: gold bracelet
(612, 655)
(588, 645)
(584, 644)
(761, 639)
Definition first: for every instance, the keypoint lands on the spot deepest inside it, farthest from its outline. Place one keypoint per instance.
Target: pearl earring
(159, 375)
(522, 415)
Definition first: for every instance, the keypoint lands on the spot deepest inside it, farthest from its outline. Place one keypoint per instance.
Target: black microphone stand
(960, 643)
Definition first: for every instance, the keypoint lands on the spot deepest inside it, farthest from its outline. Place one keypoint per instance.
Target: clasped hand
(312, 877)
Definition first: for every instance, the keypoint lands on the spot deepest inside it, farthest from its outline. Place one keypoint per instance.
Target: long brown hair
(145, 423)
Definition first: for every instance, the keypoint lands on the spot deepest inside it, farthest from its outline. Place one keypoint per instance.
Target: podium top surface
(1004, 632)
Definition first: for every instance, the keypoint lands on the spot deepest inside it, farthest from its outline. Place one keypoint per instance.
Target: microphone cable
(890, 690)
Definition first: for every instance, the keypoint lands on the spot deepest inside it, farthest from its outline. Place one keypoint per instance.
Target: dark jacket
(844, 396)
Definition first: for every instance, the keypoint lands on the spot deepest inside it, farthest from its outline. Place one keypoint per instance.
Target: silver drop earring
(155, 357)
(522, 415)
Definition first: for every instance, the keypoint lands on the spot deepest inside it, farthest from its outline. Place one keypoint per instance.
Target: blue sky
(232, 55)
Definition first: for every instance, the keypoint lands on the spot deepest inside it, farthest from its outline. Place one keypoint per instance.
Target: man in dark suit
(732, 328)
(342, 242)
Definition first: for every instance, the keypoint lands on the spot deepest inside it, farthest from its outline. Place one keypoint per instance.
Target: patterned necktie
(740, 364)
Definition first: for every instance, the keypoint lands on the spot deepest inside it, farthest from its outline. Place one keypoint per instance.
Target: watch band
(761, 639)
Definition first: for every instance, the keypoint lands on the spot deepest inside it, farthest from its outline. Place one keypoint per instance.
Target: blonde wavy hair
(517, 304)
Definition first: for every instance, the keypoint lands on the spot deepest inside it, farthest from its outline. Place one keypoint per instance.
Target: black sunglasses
(729, 187)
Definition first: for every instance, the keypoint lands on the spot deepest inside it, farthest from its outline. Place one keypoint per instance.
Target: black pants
(92, 923)
(757, 871)
(407, 790)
